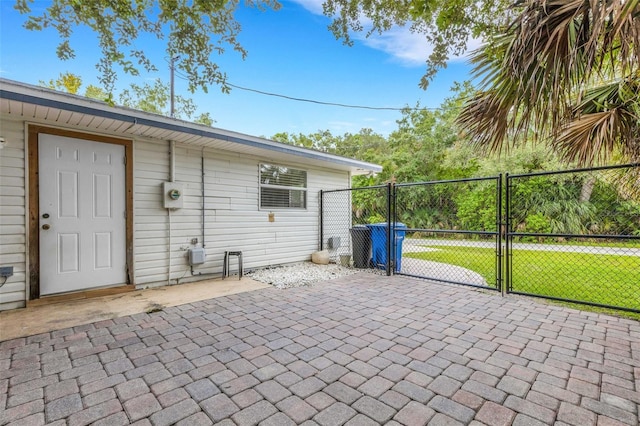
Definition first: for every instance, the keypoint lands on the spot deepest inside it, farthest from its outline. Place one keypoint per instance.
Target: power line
(314, 101)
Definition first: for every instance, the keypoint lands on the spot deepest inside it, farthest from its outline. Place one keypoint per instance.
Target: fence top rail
(446, 231)
(448, 181)
(579, 236)
(359, 188)
(586, 169)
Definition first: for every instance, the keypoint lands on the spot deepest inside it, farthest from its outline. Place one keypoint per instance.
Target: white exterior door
(82, 214)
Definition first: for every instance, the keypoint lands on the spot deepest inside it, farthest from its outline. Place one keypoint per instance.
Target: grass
(605, 279)
(630, 243)
(480, 260)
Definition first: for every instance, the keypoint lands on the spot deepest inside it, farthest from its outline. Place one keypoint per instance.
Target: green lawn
(605, 279)
(631, 243)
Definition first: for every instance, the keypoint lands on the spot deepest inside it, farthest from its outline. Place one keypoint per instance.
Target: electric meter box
(173, 195)
(196, 256)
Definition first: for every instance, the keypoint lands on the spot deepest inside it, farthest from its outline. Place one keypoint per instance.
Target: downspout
(203, 194)
(172, 177)
(203, 209)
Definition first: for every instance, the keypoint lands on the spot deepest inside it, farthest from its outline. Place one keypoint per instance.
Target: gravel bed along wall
(300, 274)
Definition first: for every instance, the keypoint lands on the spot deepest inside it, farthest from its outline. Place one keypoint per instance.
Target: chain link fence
(575, 236)
(572, 235)
(350, 224)
(452, 230)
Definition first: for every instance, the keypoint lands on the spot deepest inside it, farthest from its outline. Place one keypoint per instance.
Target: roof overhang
(46, 106)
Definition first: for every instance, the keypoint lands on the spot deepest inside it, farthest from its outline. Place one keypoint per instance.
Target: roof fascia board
(99, 109)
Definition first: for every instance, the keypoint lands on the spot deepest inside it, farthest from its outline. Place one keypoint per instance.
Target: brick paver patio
(361, 350)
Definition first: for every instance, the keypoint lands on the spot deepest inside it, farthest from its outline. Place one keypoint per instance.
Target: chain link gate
(574, 236)
(571, 235)
(452, 230)
(417, 229)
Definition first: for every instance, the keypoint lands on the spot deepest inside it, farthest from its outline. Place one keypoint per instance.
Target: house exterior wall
(13, 207)
(233, 220)
(232, 217)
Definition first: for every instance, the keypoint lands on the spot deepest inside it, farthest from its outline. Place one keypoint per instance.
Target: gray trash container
(361, 245)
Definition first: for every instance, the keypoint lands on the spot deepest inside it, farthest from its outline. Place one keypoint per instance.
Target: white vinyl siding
(13, 244)
(233, 220)
(151, 169)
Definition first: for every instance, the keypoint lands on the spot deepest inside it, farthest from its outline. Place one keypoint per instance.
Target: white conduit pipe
(203, 199)
(172, 176)
(172, 160)
(169, 260)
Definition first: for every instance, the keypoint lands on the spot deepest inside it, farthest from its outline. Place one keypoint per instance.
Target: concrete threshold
(46, 317)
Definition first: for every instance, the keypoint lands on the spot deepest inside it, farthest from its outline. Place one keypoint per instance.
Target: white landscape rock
(320, 257)
(301, 274)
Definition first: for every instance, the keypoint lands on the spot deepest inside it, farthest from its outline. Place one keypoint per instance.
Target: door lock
(45, 216)
(46, 226)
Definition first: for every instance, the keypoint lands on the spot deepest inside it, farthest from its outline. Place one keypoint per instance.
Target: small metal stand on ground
(225, 265)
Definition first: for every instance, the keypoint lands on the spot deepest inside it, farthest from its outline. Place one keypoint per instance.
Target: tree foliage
(447, 26)
(197, 30)
(366, 144)
(564, 71)
(66, 82)
(154, 98)
(429, 145)
(194, 30)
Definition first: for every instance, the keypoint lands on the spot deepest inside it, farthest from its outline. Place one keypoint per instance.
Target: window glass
(282, 187)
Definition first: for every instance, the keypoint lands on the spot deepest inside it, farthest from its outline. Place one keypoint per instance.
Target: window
(282, 187)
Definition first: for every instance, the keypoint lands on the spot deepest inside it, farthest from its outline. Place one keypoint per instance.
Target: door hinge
(124, 160)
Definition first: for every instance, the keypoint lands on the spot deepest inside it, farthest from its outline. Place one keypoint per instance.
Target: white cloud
(408, 48)
(313, 6)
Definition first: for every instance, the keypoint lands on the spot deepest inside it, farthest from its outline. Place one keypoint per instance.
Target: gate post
(499, 235)
(507, 232)
(321, 220)
(390, 233)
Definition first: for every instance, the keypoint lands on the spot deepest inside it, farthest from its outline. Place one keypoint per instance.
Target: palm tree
(567, 72)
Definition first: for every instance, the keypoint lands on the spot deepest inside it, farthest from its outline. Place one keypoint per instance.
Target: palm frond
(537, 80)
(604, 122)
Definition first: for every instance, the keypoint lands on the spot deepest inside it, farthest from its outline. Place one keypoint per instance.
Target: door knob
(46, 226)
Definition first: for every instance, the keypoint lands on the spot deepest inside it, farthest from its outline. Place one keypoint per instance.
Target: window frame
(304, 190)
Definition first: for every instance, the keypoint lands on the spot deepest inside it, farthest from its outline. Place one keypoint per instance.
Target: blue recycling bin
(379, 244)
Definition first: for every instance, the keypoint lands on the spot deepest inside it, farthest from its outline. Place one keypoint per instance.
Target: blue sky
(290, 52)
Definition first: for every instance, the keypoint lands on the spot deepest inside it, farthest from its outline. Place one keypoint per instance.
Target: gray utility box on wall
(196, 256)
(333, 242)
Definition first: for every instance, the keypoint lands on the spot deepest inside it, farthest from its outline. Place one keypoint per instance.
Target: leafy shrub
(477, 209)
